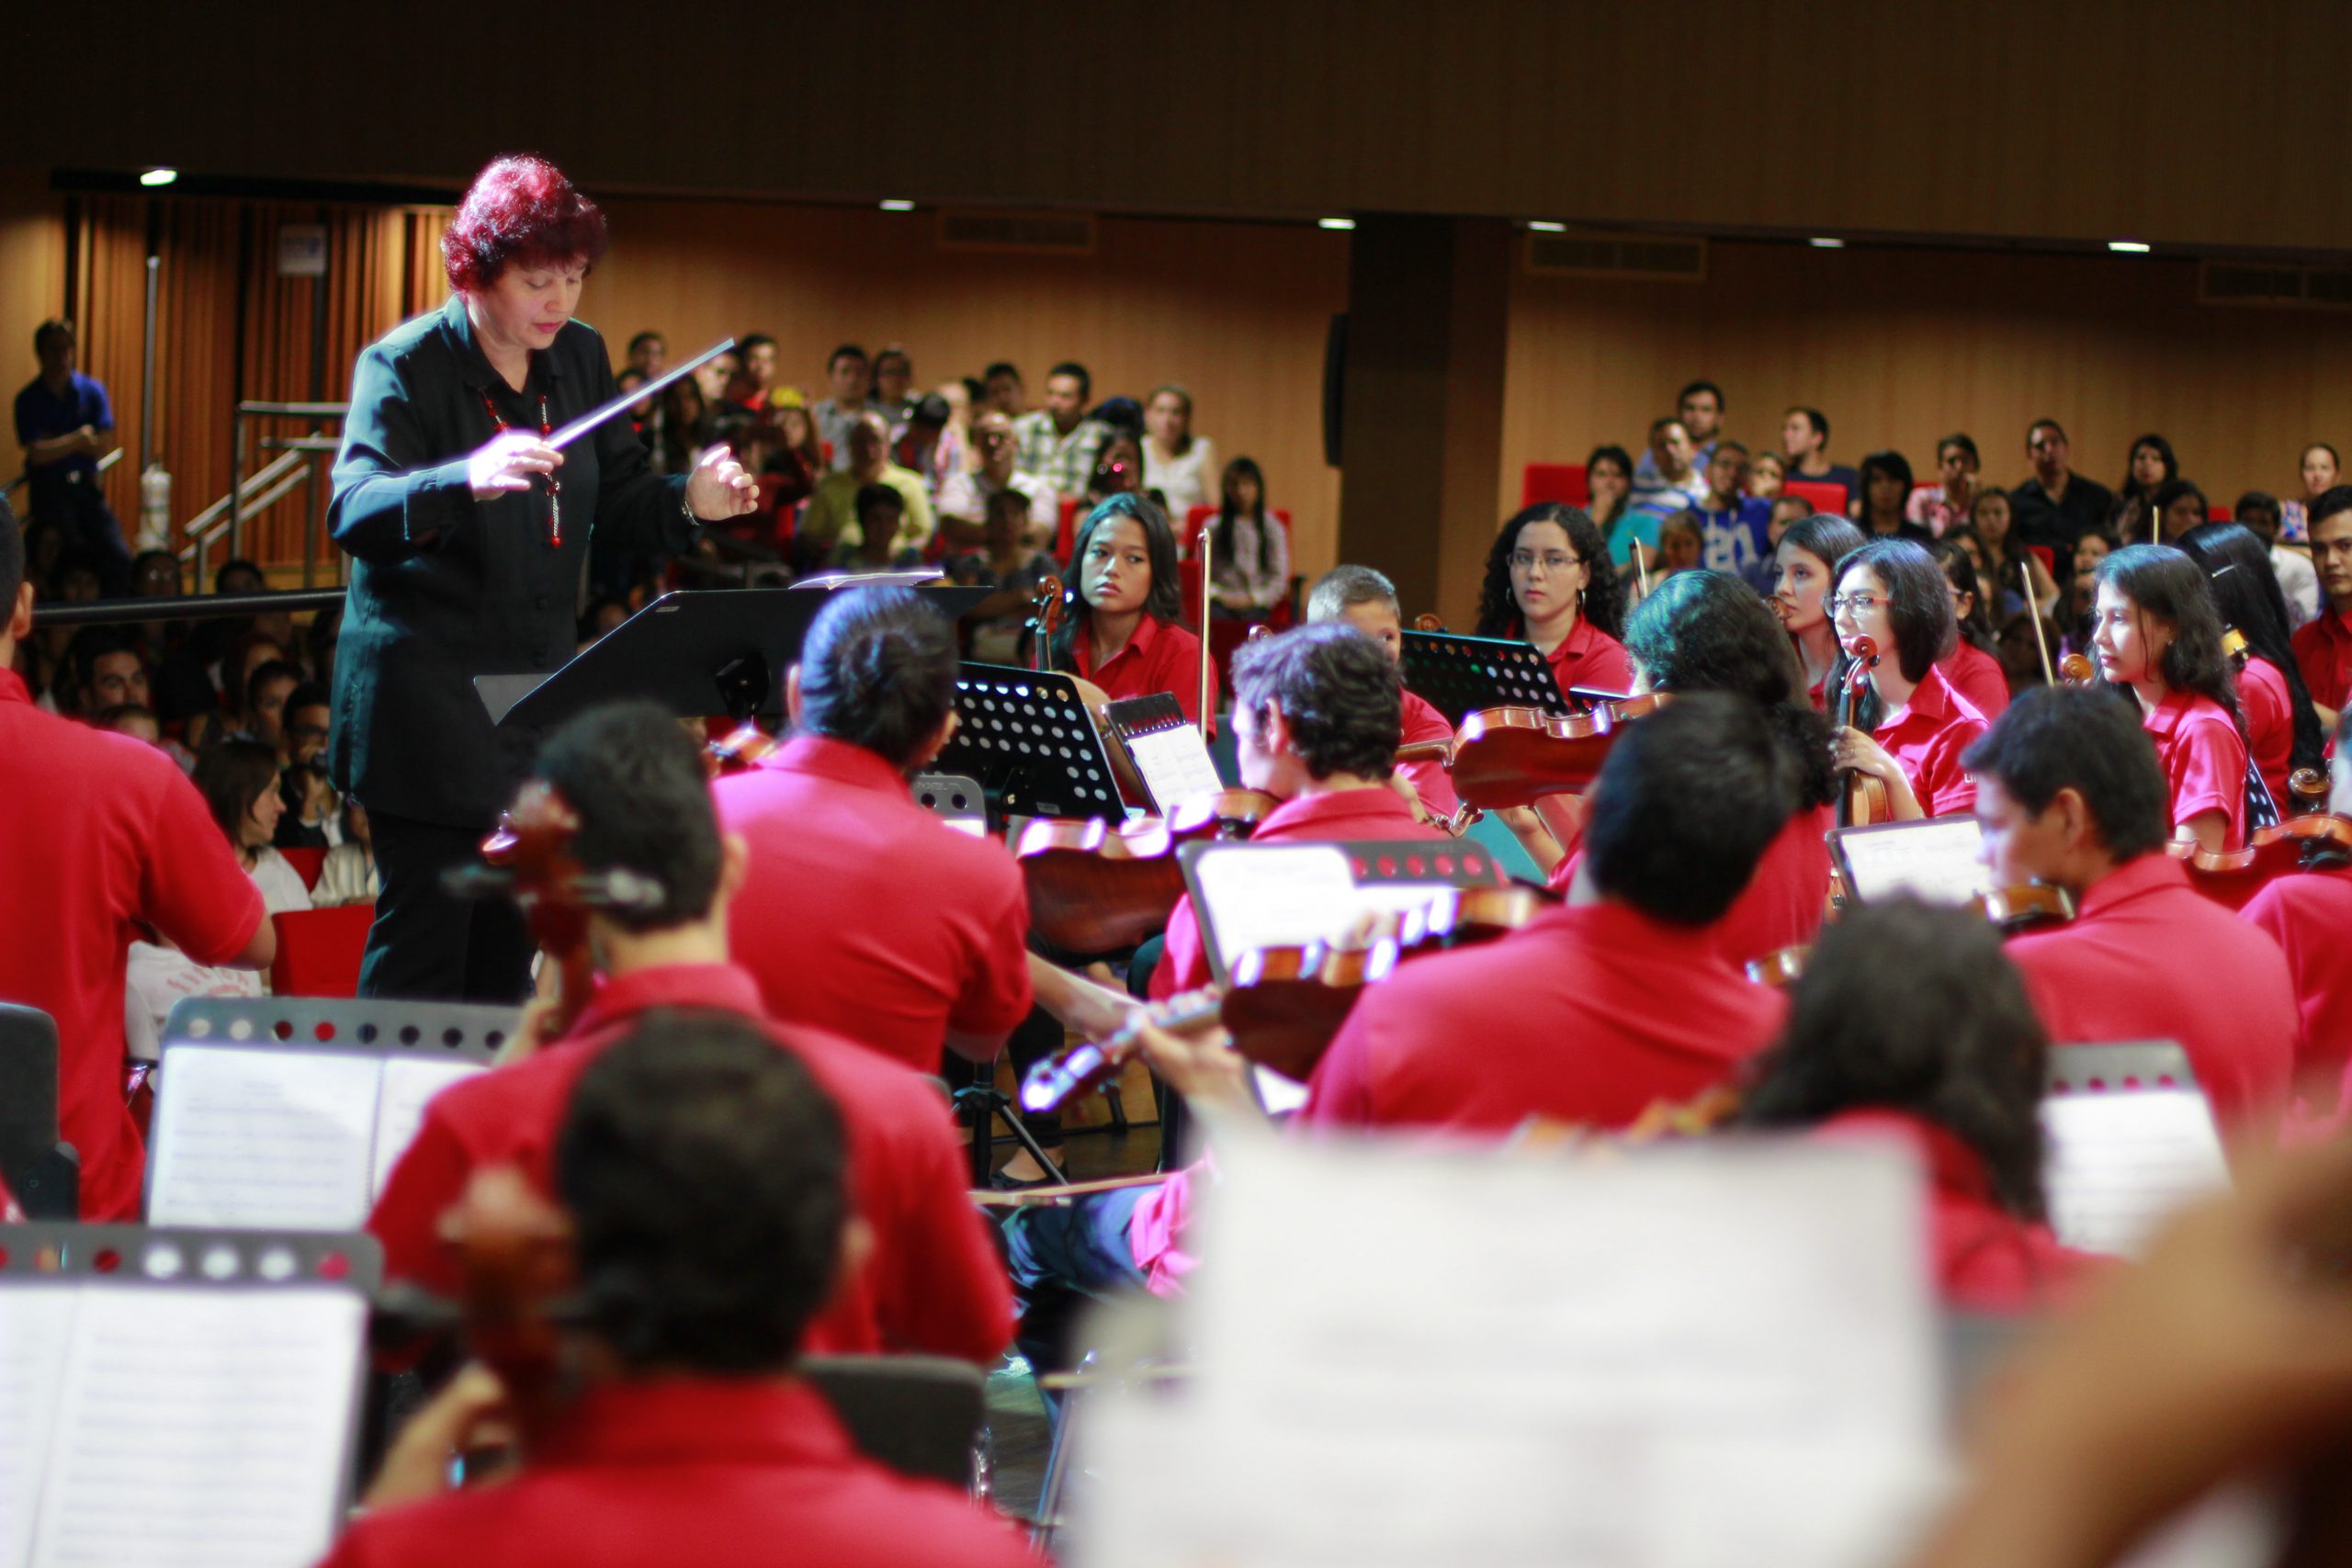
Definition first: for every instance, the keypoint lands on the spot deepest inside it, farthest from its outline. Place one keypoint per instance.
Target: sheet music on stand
(299, 1133)
(1460, 675)
(2131, 1139)
(1168, 751)
(1025, 735)
(1935, 859)
(174, 1396)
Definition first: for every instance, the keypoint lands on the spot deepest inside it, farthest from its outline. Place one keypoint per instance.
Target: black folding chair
(43, 1171)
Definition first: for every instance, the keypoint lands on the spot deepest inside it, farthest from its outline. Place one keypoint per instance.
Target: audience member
(713, 377)
(1252, 547)
(1764, 573)
(1367, 601)
(2008, 561)
(2297, 581)
(1805, 442)
(347, 875)
(894, 378)
(966, 496)
(832, 509)
(2150, 468)
(2320, 468)
(2069, 793)
(648, 355)
(1806, 563)
(876, 540)
(2282, 731)
(2323, 648)
(1700, 408)
(1176, 462)
(1671, 481)
(1886, 493)
(1767, 471)
(2175, 508)
(1941, 506)
(1910, 727)
(1735, 523)
(914, 444)
(847, 378)
(998, 628)
(1059, 443)
(1118, 465)
(267, 686)
(1544, 582)
(2082, 593)
(65, 422)
(754, 382)
(107, 670)
(1681, 545)
(2056, 506)
(1002, 392)
(1609, 485)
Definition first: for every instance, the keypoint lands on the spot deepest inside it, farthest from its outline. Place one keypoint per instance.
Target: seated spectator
(2056, 506)
(1805, 442)
(1176, 462)
(108, 670)
(1674, 482)
(1609, 483)
(348, 874)
(952, 454)
(998, 628)
(266, 688)
(796, 460)
(1886, 491)
(714, 376)
(2177, 506)
(1700, 409)
(966, 496)
(2150, 468)
(893, 395)
(2298, 579)
(1910, 1025)
(848, 378)
(1767, 471)
(648, 353)
(1252, 548)
(754, 379)
(878, 539)
(832, 509)
(1118, 468)
(2320, 465)
(1787, 511)
(1732, 522)
(708, 1179)
(1002, 390)
(1681, 545)
(915, 439)
(1942, 506)
(129, 718)
(2008, 561)
(1059, 443)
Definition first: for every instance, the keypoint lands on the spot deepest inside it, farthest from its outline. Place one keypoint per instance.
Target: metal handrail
(191, 607)
(203, 541)
(297, 410)
(108, 461)
(260, 478)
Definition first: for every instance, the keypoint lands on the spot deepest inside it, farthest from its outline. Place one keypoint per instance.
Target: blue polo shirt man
(64, 422)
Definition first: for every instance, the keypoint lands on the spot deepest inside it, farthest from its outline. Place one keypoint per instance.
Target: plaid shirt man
(1065, 462)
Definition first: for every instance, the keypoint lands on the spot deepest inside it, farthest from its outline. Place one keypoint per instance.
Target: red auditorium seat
(2219, 514)
(319, 950)
(1540, 482)
(1820, 497)
(2045, 554)
(1066, 530)
(310, 862)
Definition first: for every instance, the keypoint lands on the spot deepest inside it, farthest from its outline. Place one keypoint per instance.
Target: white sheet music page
(263, 1138)
(1276, 896)
(409, 1082)
(1678, 1359)
(2122, 1160)
(202, 1426)
(36, 1322)
(1936, 861)
(1174, 764)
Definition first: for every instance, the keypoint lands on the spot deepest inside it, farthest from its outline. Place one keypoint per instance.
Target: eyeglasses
(1552, 560)
(1859, 603)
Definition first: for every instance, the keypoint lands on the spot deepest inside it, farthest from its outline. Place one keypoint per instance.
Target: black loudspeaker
(1335, 376)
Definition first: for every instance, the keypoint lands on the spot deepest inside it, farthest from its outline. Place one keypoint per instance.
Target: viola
(1048, 606)
(518, 1294)
(2077, 670)
(1284, 1004)
(1503, 757)
(2026, 907)
(1866, 799)
(1095, 887)
(2319, 842)
(740, 751)
(530, 860)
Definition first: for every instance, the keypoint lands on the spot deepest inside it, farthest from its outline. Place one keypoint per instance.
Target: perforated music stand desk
(1460, 675)
(1025, 735)
(717, 651)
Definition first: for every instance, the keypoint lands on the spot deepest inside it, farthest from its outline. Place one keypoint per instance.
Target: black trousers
(426, 945)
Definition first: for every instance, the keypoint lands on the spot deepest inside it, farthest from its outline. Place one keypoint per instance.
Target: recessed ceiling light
(1824, 242)
(159, 176)
(1335, 223)
(2129, 247)
(1541, 227)
(898, 206)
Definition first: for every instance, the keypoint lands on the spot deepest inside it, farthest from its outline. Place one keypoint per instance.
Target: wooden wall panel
(1900, 347)
(1236, 313)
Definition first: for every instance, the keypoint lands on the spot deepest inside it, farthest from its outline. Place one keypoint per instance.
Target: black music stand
(1460, 675)
(42, 1171)
(720, 652)
(1025, 736)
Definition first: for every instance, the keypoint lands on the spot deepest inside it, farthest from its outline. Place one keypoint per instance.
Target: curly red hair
(520, 208)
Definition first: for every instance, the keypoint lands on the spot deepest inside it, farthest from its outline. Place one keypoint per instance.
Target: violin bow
(2033, 611)
(1208, 546)
(1642, 561)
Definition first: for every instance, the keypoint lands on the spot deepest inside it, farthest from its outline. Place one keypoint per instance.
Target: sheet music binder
(2131, 1138)
(1370, 862)
(1460, 675)
(85, 1279)
(1166, 748)
(313, 1107)
(1025, 735)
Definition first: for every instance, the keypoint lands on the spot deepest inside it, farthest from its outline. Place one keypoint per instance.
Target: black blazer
(444, 587)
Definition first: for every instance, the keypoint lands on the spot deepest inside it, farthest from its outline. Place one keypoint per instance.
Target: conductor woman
(468, 535)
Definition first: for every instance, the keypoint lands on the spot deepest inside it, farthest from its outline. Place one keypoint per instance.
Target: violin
(2320, 841)
(530, 859)
(2078, 669)
(1866, 799)
(1284, 1004)
(518, 1294)
(741, 751)
(1048, 606)
(1503, 757)
(2027, 906)
(1095, 887)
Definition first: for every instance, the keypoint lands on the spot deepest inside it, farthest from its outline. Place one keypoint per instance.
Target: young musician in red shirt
(1909, 726)
(1314, 723)
(1599, 1010)
(860, 913)
(1970, 668)
(2282, 729)
(1910, 1025)
(105, 837)
(2323, 648)
(700, 1173)
(2307, 914)
(1367, 601)
(2069, 794)
(1126, 631)
(2156, 633)
(1548, 580)
(1805, 566)
(932, 1282)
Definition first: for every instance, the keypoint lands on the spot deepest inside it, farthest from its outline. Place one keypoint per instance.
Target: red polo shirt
(102, 834)
(2308, 914)
(2148, 957)
(865, 915)
(1590, 658)
(719, 1472)
(2269, 711)
(1786, 898)
(934, 1282)
(1431, 780)
(1926, 738)
(1981, 1257)
(1977, 676)
(1376, 813)
(1161, 657)
(2323, 648)
(1588, 1015)
(2203, 758)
